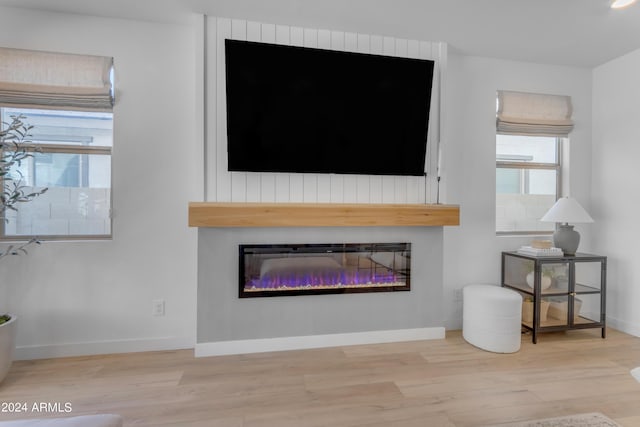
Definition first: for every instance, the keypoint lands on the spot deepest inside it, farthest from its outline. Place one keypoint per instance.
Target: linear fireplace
(306, 269)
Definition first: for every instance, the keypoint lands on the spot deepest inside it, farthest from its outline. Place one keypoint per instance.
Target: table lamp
(566, 210)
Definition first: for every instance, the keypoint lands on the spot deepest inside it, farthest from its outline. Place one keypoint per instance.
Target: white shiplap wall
(225, 186)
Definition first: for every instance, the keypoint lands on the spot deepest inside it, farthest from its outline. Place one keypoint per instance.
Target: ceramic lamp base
(567, 239)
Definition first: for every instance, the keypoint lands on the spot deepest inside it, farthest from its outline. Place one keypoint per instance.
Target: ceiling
(583, 33)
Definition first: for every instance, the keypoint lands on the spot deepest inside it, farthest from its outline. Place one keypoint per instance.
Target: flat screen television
(307, 110)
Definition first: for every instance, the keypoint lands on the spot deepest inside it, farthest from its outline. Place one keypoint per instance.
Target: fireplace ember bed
(312, 269)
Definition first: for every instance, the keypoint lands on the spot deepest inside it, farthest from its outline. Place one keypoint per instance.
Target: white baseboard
(623, 326)
(101, 347)
(222, 348)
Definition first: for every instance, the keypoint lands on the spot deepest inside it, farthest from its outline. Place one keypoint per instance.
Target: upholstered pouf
(491, 318)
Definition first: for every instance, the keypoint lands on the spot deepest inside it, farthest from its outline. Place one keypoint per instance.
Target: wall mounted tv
(306, 110)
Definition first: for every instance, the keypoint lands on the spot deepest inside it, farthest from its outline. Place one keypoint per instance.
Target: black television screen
(307, 110)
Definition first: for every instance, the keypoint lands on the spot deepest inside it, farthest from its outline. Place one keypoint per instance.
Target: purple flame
(323, 279)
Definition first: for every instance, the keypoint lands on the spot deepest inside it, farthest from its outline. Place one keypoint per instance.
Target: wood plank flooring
(428, 383)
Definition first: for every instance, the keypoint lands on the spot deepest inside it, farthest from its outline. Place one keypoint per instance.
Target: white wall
(472, 250)
(93, 297)
(616, 150)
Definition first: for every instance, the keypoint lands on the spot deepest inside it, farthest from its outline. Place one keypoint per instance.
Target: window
(67, 101)
(530, 131)
(73, 160)
(528, 180)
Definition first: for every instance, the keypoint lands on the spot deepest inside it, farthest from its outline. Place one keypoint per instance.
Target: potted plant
(14, 149)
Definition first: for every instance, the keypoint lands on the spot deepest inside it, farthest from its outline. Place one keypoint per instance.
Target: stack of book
(531, 250)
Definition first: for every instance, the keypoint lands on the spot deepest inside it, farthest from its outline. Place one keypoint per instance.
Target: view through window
(527, 182)
(72, 157)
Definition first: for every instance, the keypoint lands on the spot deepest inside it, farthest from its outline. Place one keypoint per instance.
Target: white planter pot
(7, 345)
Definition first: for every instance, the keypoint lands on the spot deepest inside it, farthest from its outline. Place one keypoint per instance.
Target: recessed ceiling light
(618, 4)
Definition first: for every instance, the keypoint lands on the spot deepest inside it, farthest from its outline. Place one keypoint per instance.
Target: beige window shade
(34, 79)
(521, 113)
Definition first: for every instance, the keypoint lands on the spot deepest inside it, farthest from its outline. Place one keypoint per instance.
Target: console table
(560, 292)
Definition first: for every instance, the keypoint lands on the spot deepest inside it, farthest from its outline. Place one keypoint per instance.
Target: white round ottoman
(491, 318)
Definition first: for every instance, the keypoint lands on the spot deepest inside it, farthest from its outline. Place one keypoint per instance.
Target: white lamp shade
(567, 210)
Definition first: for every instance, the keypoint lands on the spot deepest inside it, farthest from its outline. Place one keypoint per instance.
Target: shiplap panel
(413, 48)
(323, 188)
(254, 31)
(268, 187)
(324, 39)
(276, 187)
(337, 40)
(337, 189)
(413, 190)
(363, 190)
(296, 180)
(400, 191)
(267, 181)
(211, 103)
(375, 189)
(310, 37)
(389, 46)
(238, 187)
(272, 187)
(350, 188)
(310, 181)
(441, 73)
(350, 42)
(364, 43)
(310, 188)
(254, 186)
(296, 187)
(342, 187)
(350, 185)
(324, 181)
(282, 190)
(223, 178)
(238, 29)
(359, 184)
(426, 52)
(268, 33)
(375, 45)
(386, 46)
(388, 189)
(401, 46)
(282, 34)
(297, 36)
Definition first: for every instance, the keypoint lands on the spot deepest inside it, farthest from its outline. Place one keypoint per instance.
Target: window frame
(557, 167)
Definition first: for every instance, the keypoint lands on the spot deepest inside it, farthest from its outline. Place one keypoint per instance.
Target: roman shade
(35, 79)
(521, 113)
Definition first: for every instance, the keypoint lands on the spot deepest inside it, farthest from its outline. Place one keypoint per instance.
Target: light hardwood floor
(429, 383)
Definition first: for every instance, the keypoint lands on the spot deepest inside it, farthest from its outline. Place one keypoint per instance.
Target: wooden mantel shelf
(211, 214)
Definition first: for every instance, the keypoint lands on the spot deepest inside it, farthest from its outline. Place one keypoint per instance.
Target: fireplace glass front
(302, 269)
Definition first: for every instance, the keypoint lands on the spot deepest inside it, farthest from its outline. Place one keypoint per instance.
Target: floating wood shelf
(211, 214)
